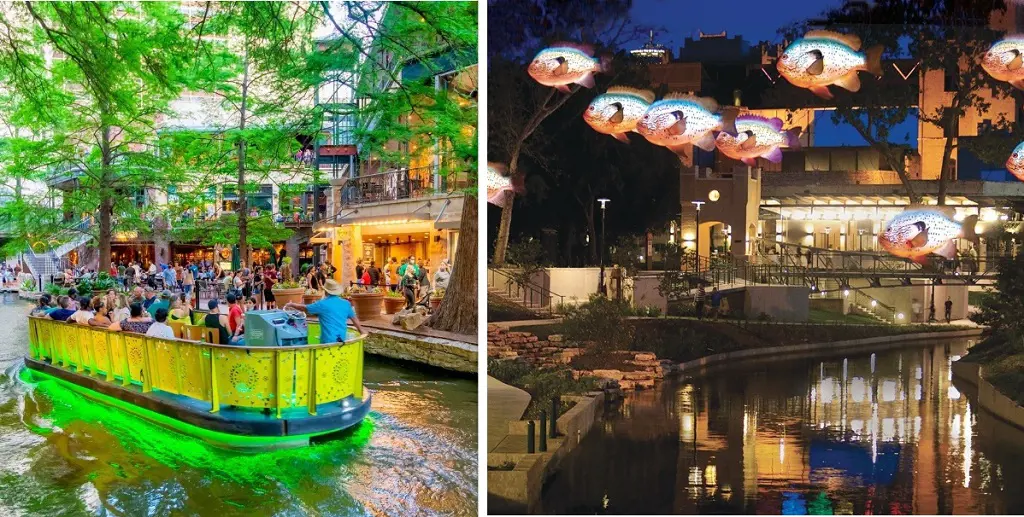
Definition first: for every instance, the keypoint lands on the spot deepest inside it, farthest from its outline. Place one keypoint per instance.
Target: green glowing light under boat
(49, 382)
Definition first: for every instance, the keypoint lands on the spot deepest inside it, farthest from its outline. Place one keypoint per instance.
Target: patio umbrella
(236, 260)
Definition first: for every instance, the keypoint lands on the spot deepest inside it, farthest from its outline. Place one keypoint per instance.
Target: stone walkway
(384, 323)
(504, 404)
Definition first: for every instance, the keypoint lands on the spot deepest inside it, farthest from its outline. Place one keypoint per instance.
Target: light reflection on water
(885, 433)
(61, 455)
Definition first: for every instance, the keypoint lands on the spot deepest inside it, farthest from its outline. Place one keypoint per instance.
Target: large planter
(393, 305)
(293, 295)
(434, 303)
(308, 299)
(367, 305)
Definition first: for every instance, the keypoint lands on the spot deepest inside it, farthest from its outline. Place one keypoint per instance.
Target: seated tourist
(238, 337)
(138, 321)
(160, 328)
(216, 320)
(43, 308)
(84, 312)
(164, 302)
(63, 313)
(180, 311)
(120, 310)
(101, 311)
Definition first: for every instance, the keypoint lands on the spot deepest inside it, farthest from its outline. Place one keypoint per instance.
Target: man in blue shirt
(334, 313)
(63, 312)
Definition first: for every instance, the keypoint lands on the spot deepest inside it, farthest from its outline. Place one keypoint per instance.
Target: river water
(416, 453)
(884, 433)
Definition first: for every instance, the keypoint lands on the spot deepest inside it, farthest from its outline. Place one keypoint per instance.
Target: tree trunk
(243, 201)
(947, 154)
(588, 212)
(503, 229)
(458, 310)
(106, 201)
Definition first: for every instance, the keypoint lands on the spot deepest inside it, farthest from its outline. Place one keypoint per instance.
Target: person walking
(269, 279)
(374, 271)
(391, 272)
(698, 301)
(949, 309)
(359, 271)
(716, 302)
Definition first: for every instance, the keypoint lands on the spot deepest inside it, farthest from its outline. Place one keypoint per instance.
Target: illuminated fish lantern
(822, 58)
(1015, 164)
(680, 119)
(563, 64)
(617, 111)
(757, 137)
(1004, 61)
(918, 231)
(498, 183)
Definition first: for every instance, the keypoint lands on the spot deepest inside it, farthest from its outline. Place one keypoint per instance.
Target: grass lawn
(1002, 363)
(823, 316)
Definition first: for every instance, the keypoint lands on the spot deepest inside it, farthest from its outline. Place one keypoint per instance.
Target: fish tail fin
(967, 229)
(729, 114)
(873, 60)
(793, 137)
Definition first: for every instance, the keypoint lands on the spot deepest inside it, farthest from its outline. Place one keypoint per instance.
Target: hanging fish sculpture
(498, 183)
(920, 230)
(822, 58)
(1015, 164)
(757, 137)
(1004, 61)
(681, 119)
(617, 111)
(563, 64)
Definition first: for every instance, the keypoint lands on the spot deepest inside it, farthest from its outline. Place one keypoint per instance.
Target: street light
(600, 286)
(696, 243)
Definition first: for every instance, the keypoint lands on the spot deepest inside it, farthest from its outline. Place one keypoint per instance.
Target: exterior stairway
(503, 286)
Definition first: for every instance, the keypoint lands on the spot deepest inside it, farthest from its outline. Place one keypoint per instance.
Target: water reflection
(62, 455)
(884, 433)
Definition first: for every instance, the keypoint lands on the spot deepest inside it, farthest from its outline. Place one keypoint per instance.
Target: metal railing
(272, 378)
(531, 295)
(397, 185)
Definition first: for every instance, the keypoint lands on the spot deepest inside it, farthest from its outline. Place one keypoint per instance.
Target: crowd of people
(410, 278)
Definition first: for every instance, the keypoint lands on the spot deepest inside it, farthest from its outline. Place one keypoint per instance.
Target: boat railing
(274, 379)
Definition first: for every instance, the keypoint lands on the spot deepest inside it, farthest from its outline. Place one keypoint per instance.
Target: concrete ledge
(439, 352)
(989, 398)
(875, 343)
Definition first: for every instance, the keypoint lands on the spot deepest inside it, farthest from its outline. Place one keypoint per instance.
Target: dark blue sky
(755, 20)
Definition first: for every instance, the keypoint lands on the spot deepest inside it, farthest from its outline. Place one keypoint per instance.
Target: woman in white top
(83, 314)
(121, 312)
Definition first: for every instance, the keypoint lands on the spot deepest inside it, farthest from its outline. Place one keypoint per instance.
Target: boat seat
(204, 334)
(178, 327)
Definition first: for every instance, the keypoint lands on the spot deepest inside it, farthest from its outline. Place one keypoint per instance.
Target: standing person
(359, 271)
(716, 302)
(188, 282)
(972, 256)
(113, 270)
(442, 276)
(916, 308)
(409, 285)
(129, 275)
(269, 279)
(699, 301)
(392, 274)
(949, 309)
(374, 274)
(411, 261)
(334, 313)
(365, 279)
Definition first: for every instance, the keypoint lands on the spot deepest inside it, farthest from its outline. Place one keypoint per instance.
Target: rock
(608, 374)
(638, 376)
(646, 385)
(645, 357)
(555, 338)
(411, 320)
(627, 385)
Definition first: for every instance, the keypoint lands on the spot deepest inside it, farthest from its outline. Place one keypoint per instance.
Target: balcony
(398, 185)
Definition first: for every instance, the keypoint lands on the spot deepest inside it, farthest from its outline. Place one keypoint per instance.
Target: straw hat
(333, 287)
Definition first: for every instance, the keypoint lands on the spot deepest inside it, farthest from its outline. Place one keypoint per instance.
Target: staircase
(52, 262)
(503, 286)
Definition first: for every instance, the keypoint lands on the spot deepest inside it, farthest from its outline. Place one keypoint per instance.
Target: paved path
(504, 403)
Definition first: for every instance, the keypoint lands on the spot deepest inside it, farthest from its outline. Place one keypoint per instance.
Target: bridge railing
(271, 378)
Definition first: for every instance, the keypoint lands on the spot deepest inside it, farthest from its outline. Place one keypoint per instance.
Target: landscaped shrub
(601, 321)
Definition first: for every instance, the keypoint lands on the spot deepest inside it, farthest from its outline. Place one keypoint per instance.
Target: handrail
(528, 288)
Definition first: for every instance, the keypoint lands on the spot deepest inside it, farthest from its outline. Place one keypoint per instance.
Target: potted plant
(394, 301)
(103, 283)
(287, 291)
(367, 301)
(286, 268)
(435, 299)
(311, 296)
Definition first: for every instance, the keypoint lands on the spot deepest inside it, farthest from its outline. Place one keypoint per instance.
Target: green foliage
(626, 254)
(56, 290)
(1001, 308)
(223, 231)
(601, 321)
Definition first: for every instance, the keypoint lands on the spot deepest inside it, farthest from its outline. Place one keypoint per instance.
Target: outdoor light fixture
(899, 316)
(846, 292)
(714, 195)
(696, 247)
(874, 303)
(601, 287)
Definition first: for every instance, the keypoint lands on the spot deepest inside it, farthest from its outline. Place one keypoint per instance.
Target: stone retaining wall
(553, 351)
(442, 353)
(989, 398)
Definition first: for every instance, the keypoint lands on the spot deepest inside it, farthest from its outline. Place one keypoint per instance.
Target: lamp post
(601, 286)
(696, 239)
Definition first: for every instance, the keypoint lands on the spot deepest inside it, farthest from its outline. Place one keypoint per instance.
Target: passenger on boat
(137, 322)
(149, 298)
(334, 313)
(44, 306)
(102, 312)
(84, 312)
(63, 313)
(120, 311)
(234, 313)
(160, 328)
(180, 311)
(164, 302)
(216, 320)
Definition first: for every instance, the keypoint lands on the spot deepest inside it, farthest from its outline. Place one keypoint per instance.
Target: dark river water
(416, 454)
(884, 433)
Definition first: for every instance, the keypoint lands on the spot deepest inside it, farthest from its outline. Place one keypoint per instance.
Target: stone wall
(553, 351)
(442, 353)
